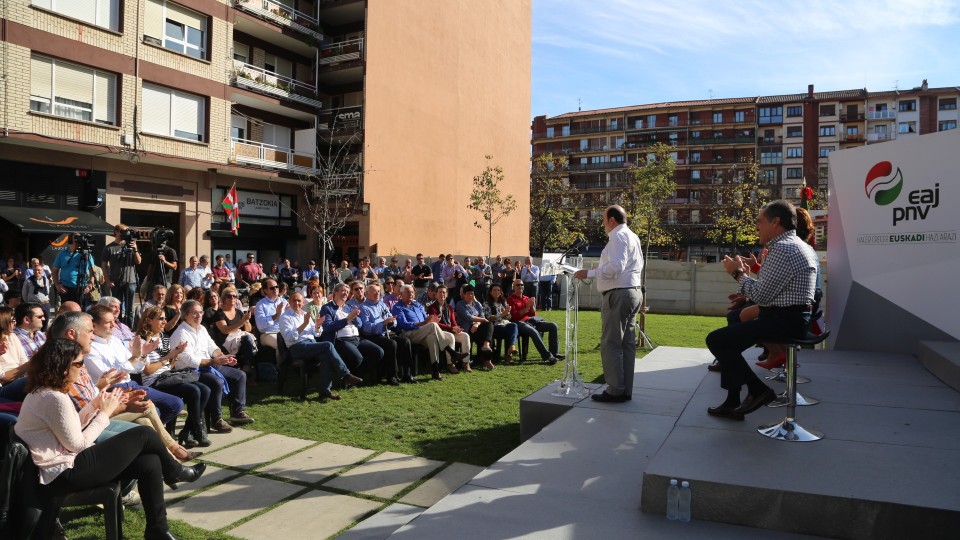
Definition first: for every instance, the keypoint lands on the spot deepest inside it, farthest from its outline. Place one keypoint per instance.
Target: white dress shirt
(107, 354)
(621, 261)
(290, 321)
(200, 345)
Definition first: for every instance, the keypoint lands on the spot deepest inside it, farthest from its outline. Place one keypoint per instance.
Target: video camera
(159, 237)
(84, 241)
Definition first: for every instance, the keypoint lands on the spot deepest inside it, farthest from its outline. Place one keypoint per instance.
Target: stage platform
(887, 467)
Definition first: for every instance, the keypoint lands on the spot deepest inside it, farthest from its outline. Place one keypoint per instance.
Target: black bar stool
(781, 374)
(789, 429)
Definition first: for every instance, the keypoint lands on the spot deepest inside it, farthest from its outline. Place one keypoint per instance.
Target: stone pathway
(267, 486)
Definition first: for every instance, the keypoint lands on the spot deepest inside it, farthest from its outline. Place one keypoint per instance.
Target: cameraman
(164, 262)
(68, 267)
(120, 259)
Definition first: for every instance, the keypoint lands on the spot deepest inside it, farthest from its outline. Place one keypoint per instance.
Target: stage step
(942, 358)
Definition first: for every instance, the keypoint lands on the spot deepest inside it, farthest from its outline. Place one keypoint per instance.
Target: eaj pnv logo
(881, 186)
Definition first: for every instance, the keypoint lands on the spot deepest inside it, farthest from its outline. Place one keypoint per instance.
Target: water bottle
(673, 500)
(685, 496)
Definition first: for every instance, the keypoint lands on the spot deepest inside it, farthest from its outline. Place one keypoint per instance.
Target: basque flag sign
(231, 207)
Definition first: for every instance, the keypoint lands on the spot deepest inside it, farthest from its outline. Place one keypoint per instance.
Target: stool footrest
(783, 400)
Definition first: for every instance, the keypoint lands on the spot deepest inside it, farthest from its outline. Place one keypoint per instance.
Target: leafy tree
(737, 205)
(487, 199)
(553, 220)
(646, 187)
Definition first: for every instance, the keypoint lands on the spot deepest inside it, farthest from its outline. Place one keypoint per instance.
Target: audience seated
(497, 311)
(300, 333)
(61, 441)
(158, 373)
(13, 359)
(471, 318)
(341, 326)
(120, 330)
(30, 319)
(447, 320)
(376, 321)
(172, 303)
(216, 369)
(231, 330)
(422, 329)
(268, 311)
(523, 311)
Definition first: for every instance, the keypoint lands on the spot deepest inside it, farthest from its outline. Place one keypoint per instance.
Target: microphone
(578, 244)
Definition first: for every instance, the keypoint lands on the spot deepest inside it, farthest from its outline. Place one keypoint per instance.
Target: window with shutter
(153, 21)
(73, 92)
(105, 98)
(187, 116)
(105, 13)
(41, 84)
(185, 31)
(156, 110)
(238, 127)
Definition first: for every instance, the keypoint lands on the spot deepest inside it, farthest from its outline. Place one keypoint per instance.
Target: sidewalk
(263, 486)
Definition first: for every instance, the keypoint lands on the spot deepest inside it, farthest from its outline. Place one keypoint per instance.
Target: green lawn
(468, 418)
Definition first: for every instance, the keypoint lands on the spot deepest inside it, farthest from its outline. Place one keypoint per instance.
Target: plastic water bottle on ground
(685, 498)
(673, 500)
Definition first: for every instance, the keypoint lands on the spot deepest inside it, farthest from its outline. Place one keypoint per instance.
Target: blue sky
(614, 53)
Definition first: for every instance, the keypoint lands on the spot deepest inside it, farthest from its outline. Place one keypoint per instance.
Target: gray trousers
(618, 311)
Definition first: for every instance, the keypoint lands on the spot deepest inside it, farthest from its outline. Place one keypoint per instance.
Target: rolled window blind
(156, 110)
(188, 114)
(105, 106)
(84, 10)
(41, 76)
(153, 21)
(186, 17)
(109, 14)
(74, 83)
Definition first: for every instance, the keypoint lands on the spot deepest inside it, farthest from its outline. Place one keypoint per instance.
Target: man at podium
(618, 280)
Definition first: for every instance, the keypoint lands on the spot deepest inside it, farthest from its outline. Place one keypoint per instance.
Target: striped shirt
(30, 344)
(789, 274)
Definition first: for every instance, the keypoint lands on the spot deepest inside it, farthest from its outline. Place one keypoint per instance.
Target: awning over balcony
(46, 220)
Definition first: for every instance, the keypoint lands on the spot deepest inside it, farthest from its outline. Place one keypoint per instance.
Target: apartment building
(788, 136)
(146, 111)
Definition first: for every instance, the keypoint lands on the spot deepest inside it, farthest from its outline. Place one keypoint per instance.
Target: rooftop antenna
(896, 84)
(710, 91)
(578, 105)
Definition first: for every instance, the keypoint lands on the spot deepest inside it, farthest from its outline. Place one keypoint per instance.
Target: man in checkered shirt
(784, 291)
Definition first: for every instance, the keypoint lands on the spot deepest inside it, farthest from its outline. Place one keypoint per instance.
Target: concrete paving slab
(441, 484)
(882, 393)
(474, 512)
(856, 358)
(903, 373)
(586, 455)
(383, 523)
(316, 514)
(385, 475)
(646, 401)
(220, 440)
(230, 502)
(212, 476)
(681, 377)
(255, 452)
(317, 463)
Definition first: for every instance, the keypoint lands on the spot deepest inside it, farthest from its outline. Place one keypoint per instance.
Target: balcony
(882, 115)
(282, 15)
(343, 51)
(769, 141)
(856, 117)
(708, 141)
(277, 157)
(274, 84)
(597, 166)
(879, 137)
(771, 161)
(851, 137)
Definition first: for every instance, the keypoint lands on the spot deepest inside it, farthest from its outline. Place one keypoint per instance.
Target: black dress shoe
(409, 379)
(753, 403)
(604, 397)
(187, 474)
(715, 366)
(725, 412)
(392, 381)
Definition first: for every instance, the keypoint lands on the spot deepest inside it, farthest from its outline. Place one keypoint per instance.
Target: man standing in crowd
(120, 260)
(437, 266)
(67, 269)
(784, 291)
(496, 271)
(482, 275)
(193, 275)
(250, 271)
(221, 274)
(392, 271)
(618, 280)
(530, 274)
(422, 275)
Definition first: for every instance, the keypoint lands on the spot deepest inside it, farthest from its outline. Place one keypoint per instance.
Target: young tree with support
(553, 220)
(487, 199)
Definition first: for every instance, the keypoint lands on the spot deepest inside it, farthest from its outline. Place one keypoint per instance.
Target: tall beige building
(147, 111)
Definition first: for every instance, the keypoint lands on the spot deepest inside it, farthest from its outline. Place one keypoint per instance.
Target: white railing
(343, 51)
(268, 155)
(258, 78)
(282, 15)
(881, 115)
(879, 137)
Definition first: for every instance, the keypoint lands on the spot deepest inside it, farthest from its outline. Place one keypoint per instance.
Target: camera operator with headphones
(120, 259)
(163, 264)
(72, 275)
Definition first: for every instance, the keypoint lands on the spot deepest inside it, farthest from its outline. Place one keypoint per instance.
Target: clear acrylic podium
(571, 385)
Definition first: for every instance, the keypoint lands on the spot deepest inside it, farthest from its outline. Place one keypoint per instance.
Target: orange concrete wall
(447, 83)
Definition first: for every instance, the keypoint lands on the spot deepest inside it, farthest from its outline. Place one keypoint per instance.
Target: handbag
(176, 377)
(232, 342)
